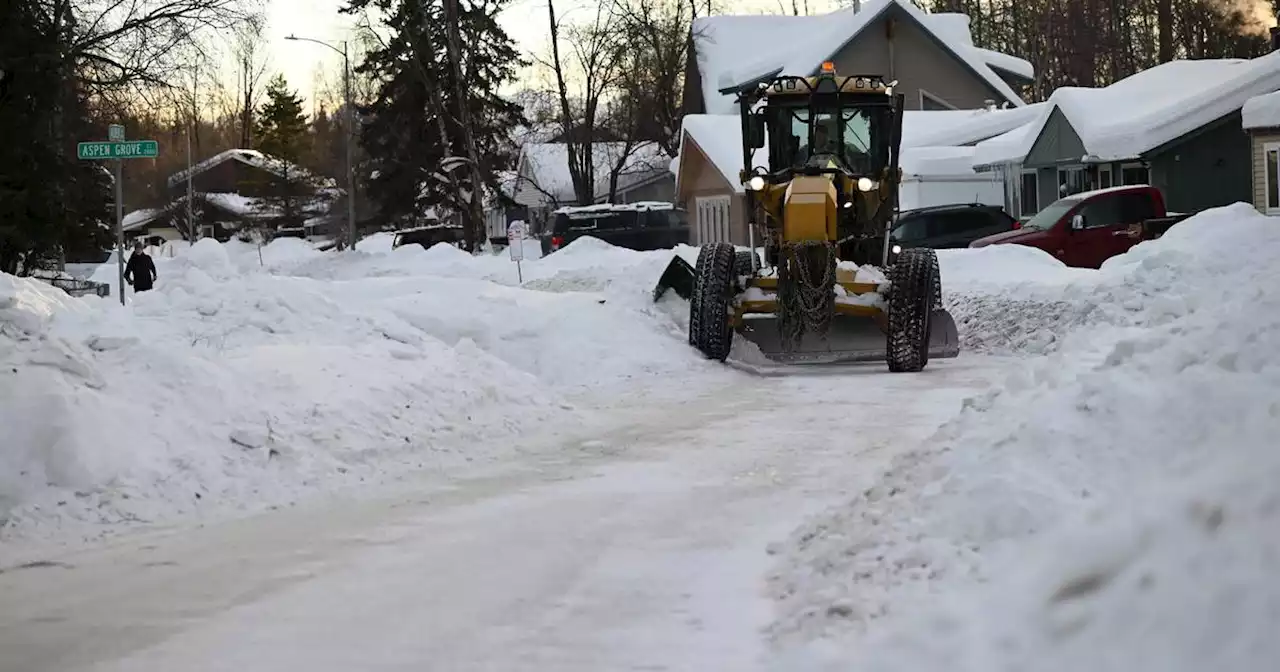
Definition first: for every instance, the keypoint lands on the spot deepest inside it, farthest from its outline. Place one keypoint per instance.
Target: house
(931, 56)
(938, 149)
(543, 182)
(1176, 126)
(238, 187)
(1260, 117)
(500, 208)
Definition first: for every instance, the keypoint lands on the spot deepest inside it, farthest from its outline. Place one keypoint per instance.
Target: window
(1071, 181)
(1104, 177)
(963, 221)
(712, 225)
(913, 228)
(928, 101)
(1029, 197)
(1134, 173)
(1271, 180)
(1136, 208)
(1101, 212)
(856, 134)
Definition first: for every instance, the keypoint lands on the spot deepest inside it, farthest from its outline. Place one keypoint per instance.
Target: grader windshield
(853, 130)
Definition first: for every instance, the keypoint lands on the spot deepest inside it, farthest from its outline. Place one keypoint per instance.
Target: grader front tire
(910, 308)
(713, 293)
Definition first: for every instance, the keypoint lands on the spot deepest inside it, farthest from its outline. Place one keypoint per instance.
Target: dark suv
(638, 226)
(949, 226)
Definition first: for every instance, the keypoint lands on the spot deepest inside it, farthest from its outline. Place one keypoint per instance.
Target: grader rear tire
(910, 309)
(713, 292)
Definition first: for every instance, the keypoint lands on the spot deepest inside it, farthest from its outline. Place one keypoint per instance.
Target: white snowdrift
(242, 383)
(1112, 507)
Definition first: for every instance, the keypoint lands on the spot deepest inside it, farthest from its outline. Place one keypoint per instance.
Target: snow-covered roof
(547, 164)
(614, 207)
(719, 136)
(1262, 111)
(734, 50)
(965, 127)
(937, 161)
(249, 157)
(140, 218)
(1144, 111)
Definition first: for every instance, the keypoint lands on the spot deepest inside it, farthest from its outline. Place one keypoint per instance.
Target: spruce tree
(282, 134)
(411, 133)
(49, 201)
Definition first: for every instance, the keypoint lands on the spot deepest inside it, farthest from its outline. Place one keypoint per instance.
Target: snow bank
(1111, 506)
(242, 383)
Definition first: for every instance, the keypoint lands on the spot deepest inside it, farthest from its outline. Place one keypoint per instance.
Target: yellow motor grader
(827, 287)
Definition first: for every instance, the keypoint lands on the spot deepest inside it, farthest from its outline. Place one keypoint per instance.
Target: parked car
(637, 226)
(429, 236)
(1086, 229)
(949, 226)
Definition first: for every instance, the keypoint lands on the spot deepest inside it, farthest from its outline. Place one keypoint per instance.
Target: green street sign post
(118, 149)
(132, 149)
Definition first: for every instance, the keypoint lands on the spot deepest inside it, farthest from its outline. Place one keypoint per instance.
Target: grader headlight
(866, 184)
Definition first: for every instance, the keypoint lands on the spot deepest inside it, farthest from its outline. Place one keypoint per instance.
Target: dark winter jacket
(141, 271)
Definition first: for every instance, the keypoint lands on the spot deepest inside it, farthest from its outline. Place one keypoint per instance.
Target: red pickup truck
(1088, 228)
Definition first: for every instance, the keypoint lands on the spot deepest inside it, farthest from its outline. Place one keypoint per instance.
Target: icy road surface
(644, 549)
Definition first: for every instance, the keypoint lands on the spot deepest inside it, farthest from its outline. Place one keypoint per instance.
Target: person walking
(141, 271)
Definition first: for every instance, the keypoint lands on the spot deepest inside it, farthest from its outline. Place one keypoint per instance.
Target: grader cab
(814, 283)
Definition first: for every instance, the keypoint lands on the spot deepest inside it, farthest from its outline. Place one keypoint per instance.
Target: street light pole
(351, 130)
(351, 134)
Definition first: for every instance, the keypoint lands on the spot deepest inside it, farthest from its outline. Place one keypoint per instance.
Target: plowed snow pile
(1114, 506)
(243, 380)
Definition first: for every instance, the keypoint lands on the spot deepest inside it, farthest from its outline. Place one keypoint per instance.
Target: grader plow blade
(679, 276)
(849, 340)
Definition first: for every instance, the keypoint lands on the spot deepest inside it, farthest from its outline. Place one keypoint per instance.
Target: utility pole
(351, 129)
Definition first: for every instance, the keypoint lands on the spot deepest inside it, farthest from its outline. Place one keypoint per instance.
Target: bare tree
(595, 64)
(121, 43)
(251, 66)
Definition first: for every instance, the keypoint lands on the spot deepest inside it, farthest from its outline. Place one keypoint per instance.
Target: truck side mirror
(1077, 222)
(755, 131)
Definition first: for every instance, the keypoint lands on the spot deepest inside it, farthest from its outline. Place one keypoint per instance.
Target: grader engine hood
(809, 209)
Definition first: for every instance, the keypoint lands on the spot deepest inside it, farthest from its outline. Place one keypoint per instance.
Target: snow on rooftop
(140, 218)
(726, 43)
(937, 161)
(1262, 111)
(249, 157)
(719, 136)
(1146, 110)
(971, 126)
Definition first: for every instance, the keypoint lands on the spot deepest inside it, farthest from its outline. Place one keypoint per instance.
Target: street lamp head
(290, 37)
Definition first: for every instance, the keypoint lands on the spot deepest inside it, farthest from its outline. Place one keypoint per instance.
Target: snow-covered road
(644, 549)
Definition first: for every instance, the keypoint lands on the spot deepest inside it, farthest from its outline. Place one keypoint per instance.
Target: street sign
(118, 148)
(132, 149)
(515, 243)
(515, 240)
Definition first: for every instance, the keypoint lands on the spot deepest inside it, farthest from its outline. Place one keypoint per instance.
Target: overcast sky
(524, 20)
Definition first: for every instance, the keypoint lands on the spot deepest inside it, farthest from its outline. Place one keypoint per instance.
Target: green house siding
(1057, 144)
(1207, 169)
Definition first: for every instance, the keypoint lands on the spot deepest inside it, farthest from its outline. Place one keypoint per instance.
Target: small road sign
(515, 243)
(115, 133)
(515, 240)
(132, 149)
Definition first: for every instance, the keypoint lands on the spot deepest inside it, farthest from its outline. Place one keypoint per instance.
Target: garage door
(712, 224)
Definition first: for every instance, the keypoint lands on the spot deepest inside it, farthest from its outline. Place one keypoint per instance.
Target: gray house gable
(1058, 143)
(898, 46)
(930, 53)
